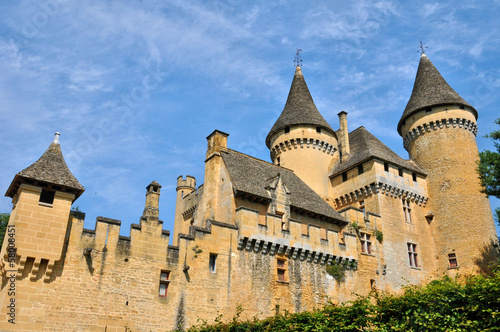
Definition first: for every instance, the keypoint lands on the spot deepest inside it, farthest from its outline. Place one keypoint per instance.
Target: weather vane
(421, 48)
(298, 58)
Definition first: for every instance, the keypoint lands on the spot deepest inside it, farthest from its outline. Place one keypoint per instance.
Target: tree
(489, 169)
(4, 221)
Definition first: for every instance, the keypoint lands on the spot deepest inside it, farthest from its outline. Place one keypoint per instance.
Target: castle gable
(252, 176)
(365, 146)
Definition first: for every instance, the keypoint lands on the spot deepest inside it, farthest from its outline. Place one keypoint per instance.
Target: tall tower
(302, 140)
(438, 129)
(42, 195)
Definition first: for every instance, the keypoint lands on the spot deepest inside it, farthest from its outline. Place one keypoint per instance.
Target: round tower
(438, 129)
(302, 140)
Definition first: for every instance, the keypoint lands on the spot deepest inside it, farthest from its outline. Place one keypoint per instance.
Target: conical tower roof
(299, 108)
(50, 169)
(430, 89)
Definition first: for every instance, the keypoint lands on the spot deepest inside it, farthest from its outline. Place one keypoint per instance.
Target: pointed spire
(299, 108)
(50, 170)
(430, 89)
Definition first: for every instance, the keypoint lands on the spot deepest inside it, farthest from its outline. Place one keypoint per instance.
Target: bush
(442, 305)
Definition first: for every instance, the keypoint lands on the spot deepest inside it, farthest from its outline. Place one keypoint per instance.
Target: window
(47, 196)
(452, 258)
(414, 176)
(344, 177)
(373, 284)
(287, 130)
(362, 207)
(164, 282)
(366, 243)
(323, 234)
(360, 169)
(278, 161)
(386, 167)
(318, 129)
(400, 171)
(283, 221)
(407, 210)
(412, 254)
(281, 269)
(212, 263)
(305, 229)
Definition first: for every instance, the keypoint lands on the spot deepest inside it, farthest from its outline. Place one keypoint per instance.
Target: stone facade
(256, 237)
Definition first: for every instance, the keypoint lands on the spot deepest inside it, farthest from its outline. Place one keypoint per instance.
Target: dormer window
(360, 169)
(47, 196)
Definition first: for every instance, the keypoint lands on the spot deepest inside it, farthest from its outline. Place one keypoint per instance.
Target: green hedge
(443, 305)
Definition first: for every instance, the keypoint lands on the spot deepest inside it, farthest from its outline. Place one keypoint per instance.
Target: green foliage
(443, 305)
(4, 221)
(379, 236)
(197, 250)
(489, 169)
(337, 271)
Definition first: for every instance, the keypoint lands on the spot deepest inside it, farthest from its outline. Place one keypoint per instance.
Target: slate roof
(51, 169)
(252, 176)
(299, 108)
(365, 146)
(430, 89)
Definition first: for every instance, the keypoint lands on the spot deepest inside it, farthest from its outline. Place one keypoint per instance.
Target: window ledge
(282, 282)
(416, 268)
(45, 204)
(365, 254)
(453, 267)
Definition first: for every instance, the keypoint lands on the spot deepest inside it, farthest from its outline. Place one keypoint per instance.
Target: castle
(257, 236)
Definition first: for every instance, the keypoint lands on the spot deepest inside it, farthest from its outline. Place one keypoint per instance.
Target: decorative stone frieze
(293, 252)
(436, 125)
(376, 188)
(301, 143)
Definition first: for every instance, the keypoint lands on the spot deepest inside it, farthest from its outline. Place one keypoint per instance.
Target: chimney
(216, 142)
(344, 136)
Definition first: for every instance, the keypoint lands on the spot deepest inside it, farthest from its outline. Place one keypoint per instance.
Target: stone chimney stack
(152, 200)
(344, 136)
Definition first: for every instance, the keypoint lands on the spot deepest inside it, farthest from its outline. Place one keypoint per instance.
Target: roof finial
(56, 138)
(421, 48)
(298, 59)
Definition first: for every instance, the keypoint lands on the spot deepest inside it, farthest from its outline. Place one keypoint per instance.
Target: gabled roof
(430, 89)
(364, 146)
(252, 176)
(50, 169)
(299, 108)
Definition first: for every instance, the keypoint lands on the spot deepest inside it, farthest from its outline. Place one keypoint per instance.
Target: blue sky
(135, 87)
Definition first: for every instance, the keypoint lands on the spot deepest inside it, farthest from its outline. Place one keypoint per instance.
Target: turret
(438, 129)
(182, 222)
(42, 195)
(302, 140)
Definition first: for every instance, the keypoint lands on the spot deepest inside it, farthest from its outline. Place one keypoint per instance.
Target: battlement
(188, 183)
(147, 239)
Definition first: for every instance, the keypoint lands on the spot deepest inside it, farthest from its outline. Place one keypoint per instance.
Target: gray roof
(430, 89)
(251, 176)
(50, 169)
(299, 108)
(364, 146)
